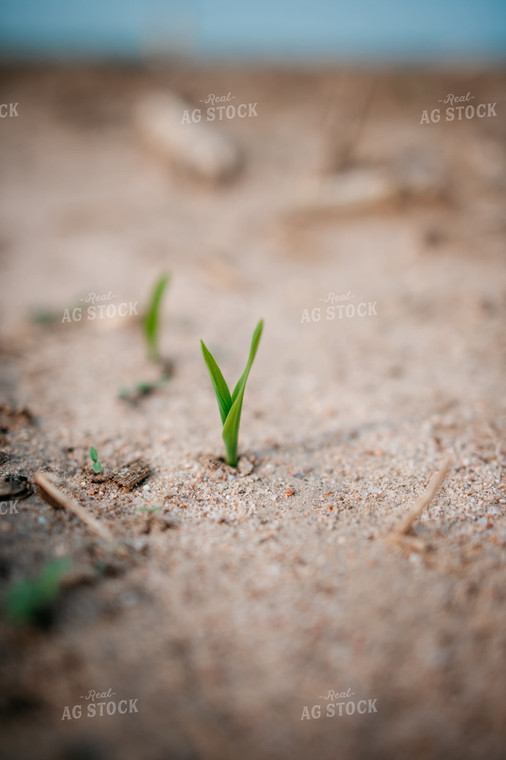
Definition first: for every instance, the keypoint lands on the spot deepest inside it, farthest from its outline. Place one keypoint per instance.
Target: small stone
(245, 466)
(14, 486)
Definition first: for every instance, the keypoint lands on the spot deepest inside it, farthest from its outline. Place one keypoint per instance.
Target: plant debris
(57, 499)
(131, 474)
(401, 535)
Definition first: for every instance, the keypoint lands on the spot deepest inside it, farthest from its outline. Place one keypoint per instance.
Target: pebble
(14, 486)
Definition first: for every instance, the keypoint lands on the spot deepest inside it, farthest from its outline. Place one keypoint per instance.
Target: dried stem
(57, 499)
(431, 490)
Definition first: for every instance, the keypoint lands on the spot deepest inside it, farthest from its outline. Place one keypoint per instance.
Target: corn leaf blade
(152, 318)
(220, 386)
(231, 429)
(255, 340)
(233, 421)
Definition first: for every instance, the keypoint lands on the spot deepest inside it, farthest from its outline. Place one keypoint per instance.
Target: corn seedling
(141, 390)
(151, 322)
(30, 601)
(94, 458)
(230, 405)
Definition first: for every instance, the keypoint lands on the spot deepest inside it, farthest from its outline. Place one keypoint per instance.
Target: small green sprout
(151, 321)
(94, 458)
(231, 405)
(141, 390)
(44, 317)
(30, 601)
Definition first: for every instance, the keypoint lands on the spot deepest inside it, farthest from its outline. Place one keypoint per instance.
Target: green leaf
(231, 406)
(255, 340)
(152, 318)
(231, 430)
(93, 454)
(28, 597)
(97, 466)
(233, 421)
(220, 387)
(51, 576)
(145, 387)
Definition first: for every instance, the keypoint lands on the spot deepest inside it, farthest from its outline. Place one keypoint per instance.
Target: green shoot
(230, 405)
(151, 321)
(141, 390)
(44, 317)
(30, 601)
(94, 458)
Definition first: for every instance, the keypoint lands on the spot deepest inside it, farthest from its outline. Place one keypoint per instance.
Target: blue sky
(272, 29)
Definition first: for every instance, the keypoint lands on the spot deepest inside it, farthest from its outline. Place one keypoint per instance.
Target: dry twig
(57, 499)
(401, 535)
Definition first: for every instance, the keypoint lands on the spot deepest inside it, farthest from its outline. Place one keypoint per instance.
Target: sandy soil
(246, 598)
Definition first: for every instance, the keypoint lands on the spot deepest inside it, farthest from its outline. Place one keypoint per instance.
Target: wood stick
(133, 473)
(431, 490)
(57, 499)
(408, 544)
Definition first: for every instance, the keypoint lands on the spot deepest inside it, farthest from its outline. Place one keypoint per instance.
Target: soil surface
(243, 598)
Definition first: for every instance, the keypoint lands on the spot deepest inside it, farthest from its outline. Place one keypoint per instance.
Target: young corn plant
(151, 329)
(151, 322)
(230, 405)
